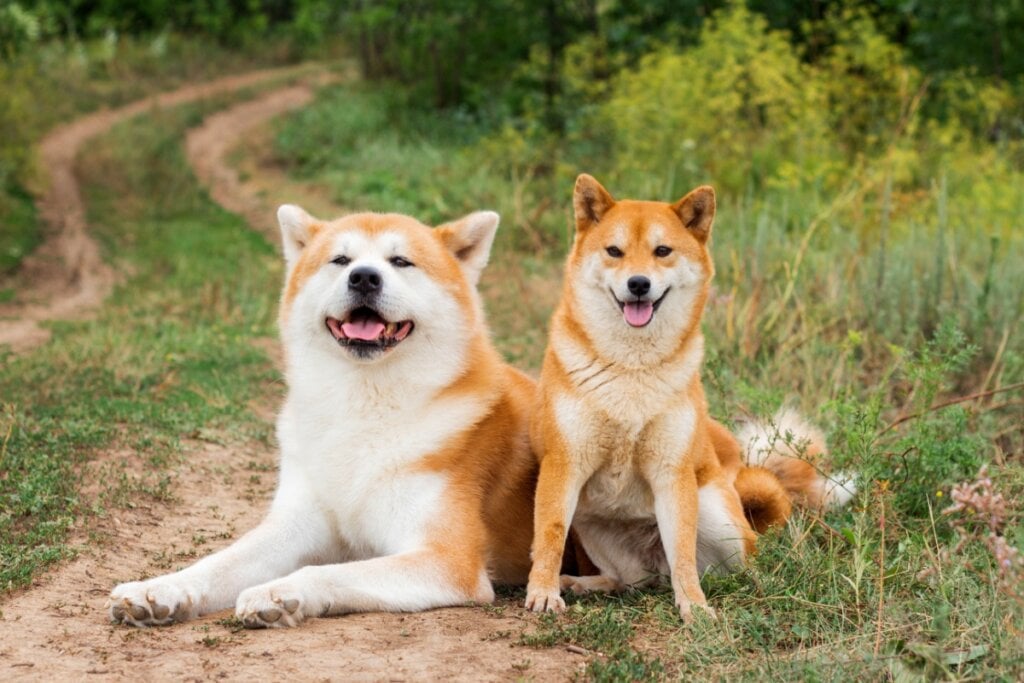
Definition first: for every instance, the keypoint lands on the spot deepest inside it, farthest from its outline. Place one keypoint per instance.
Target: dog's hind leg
(627, 553)
(408, 582)
(590, 584)
(724, 536)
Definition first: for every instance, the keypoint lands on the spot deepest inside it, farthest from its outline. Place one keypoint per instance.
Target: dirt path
(67, 277)
(209, 145)
(58, 628)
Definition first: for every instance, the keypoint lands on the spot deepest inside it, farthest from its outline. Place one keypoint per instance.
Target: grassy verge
(814, 305)
(21, 234)
(169, 359)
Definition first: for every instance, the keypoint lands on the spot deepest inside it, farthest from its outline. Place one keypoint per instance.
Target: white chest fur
(357, 454)
(626, 426)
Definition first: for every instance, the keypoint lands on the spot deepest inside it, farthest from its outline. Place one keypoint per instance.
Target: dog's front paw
(272, 605)
(688, 609)
(156, 602)
(544, 599)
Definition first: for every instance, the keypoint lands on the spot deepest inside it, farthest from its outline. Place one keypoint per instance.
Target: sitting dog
(628, 453)
(406, 475)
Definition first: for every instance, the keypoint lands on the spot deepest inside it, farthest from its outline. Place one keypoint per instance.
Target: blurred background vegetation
(869, 160)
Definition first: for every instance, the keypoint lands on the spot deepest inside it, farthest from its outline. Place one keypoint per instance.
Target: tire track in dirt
(58, 628)
(207, 147)
(66, 277)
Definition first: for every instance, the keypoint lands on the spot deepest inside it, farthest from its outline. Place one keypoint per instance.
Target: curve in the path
(207, 147)
(66, 278)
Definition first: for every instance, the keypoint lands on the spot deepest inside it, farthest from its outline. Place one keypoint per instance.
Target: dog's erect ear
(297, 229)
(591, 201)
(697, 211)
(470, 239)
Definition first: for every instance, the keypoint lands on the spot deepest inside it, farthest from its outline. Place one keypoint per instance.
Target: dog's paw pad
(265, 607)
(150, 603)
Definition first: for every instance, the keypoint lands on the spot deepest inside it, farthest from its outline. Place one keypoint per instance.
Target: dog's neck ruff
(580, 358)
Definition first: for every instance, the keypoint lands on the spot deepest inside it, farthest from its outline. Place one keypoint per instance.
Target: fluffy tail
(789, 447)
(765, 502)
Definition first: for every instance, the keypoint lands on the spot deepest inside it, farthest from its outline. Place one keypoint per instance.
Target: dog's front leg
(558, 491)
(292, 534)
(676, 509)
(408, 582)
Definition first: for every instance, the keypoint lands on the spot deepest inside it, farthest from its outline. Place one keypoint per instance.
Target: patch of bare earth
(58, 628)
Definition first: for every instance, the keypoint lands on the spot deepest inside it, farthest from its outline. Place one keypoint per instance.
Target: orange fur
(486, 528)
(585, 435)
(765, 501)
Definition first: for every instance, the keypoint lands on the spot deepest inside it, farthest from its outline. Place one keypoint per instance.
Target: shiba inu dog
(629, 455)
(406, 476)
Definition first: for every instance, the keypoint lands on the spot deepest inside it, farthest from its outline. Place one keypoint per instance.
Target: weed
(626, 666)
(231, 623)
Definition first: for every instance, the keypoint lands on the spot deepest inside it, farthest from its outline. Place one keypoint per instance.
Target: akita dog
(406, 475)
(628, 453)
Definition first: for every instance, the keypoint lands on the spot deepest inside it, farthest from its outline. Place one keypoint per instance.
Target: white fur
(788, 435)
(347, 529)
(719, 542)
(479, 231)
(295, 230)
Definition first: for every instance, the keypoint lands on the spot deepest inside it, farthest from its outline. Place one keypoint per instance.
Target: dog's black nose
(364, 280)
(638, 285)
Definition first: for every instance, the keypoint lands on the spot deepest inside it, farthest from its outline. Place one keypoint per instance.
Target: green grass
(854, 329)
(168, 362)
(21, 233)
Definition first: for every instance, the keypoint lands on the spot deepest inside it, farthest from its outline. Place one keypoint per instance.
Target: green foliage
(20, 235)
(377, 153)
(602, 629)
(625, 666)
(235, 22)
(978, 36)
(668, 112)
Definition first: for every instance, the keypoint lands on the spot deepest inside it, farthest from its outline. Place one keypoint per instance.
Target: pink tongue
(367, 330)
(638, 313)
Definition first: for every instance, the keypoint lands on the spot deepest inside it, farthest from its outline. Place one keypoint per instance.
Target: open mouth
(364, 328)
(640, 312)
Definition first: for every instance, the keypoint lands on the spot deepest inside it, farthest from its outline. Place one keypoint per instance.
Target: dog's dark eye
(341, 260)
(614, 252)
(662, 251)
(399, 262)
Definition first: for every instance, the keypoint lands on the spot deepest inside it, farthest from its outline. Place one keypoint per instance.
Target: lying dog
(629, 455)
(406, 478)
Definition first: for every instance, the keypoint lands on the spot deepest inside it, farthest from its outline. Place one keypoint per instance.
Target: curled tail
(788, 447)
(765, 502)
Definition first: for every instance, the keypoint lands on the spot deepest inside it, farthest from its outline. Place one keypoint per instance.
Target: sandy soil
(57, 629)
